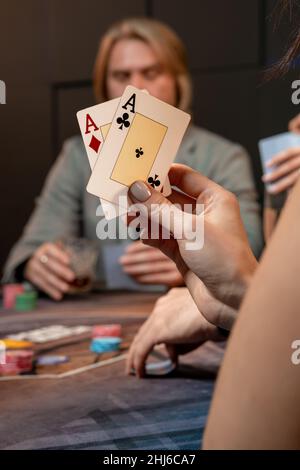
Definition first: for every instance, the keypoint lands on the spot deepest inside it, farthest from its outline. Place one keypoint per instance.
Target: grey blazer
(64, 207)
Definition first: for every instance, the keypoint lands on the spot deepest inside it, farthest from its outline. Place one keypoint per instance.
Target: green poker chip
(26, 301)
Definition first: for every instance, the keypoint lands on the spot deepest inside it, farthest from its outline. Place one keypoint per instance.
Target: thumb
(155, 206)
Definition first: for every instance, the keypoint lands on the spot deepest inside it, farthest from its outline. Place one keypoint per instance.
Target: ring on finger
(44, 259)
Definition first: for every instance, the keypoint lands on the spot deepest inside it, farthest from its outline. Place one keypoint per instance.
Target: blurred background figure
(285, 173)
(149, 55)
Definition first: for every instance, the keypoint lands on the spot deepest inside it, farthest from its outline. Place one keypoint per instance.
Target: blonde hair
(162, 39)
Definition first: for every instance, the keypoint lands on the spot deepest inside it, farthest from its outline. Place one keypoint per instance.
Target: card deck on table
(94, 123)
(141, 145)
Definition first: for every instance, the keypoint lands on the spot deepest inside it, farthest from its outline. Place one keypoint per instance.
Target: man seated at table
(147, 54)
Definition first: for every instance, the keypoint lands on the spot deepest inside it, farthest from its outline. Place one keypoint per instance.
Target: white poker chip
(51, 360)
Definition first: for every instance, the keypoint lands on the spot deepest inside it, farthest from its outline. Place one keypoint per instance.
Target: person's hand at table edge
(175, 322)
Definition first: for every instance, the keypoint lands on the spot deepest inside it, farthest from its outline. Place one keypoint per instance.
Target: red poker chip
(100, 331)
(22, 360)
(9, 369)
(10, 292)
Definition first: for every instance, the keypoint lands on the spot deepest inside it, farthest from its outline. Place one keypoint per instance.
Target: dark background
(47, 49)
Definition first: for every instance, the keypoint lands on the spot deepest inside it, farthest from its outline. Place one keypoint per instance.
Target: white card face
(141, 145)
(94, 123)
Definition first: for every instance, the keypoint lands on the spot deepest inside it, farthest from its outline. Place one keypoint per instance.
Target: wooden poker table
(88, 404)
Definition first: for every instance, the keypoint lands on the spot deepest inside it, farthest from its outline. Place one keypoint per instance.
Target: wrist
(240, 282)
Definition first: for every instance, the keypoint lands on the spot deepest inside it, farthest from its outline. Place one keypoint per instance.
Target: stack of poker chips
(20, 297)
(18, 357)
(26, 301)
(106, 338)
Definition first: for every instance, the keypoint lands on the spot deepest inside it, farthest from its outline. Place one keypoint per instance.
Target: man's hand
(49, 270)
(148, 265)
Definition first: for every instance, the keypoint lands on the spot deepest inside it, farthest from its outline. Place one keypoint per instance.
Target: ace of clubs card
(141, 145)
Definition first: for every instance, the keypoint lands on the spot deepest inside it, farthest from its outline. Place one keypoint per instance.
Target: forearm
(215, 312)
(255, 403)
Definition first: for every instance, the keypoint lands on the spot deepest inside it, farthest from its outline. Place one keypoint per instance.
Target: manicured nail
(139, 191)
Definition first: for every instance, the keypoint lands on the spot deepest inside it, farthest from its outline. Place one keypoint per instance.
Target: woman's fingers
(154, 206)
(283, 156)
(189, 181)
(283, 170)
(177, 197)
(285, 183)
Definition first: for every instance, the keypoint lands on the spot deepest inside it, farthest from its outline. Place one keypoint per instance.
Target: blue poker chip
(51, 360)
(105, 344)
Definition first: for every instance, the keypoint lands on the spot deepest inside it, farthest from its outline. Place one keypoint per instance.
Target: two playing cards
(135, 137)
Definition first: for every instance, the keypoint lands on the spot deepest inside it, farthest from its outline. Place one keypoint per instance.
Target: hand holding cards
(141, 144)
(280, 160)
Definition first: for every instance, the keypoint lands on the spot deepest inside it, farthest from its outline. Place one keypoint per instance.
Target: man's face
(133, 62)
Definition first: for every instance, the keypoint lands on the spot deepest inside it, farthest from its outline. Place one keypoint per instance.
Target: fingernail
(140, 191)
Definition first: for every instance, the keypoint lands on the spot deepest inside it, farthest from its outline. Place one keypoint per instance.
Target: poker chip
(99, 331)
(26, 301)
(17, 362)
(105, 344)
(51, 360)
(14, 344)
(9, 369)
(50, 333)
(160, 368)
(10, 292)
